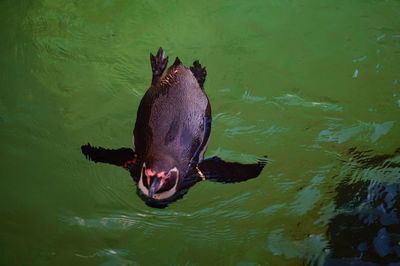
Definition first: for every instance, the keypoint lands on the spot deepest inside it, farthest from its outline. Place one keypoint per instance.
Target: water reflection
(112, 256)
(366, 229)
(363, 131)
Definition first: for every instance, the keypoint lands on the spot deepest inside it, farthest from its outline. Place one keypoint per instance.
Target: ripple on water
(248, 97)
(366, 166)
(151, 222)
(295, 100)
(363, 131)
(233, 155)
(113, 256)
(280, 244)
(228, 119)
(290, 99)
(209, 229)
(242, 130)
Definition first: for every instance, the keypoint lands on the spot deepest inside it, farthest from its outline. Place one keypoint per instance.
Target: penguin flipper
(158, 64)
(199, 73)
(119, 157)
(216, 169)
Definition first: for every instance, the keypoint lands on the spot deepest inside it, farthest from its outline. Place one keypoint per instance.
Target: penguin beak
(158, 186)
(154, 186)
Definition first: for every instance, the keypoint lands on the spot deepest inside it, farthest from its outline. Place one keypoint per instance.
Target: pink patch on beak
(149, 172)
(162, 175)
(162, 182)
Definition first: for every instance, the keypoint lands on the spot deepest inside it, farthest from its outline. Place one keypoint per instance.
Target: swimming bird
(171, 134)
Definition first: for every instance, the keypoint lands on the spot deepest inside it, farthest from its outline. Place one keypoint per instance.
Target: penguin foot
(199, 73)
(158, 64)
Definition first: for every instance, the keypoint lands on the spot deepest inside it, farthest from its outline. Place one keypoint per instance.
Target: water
(315, 85)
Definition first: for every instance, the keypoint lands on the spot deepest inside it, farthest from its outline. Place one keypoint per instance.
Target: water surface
(315, 85)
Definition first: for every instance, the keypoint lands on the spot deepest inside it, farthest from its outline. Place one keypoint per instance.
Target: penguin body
(170, 137)
(171, 118)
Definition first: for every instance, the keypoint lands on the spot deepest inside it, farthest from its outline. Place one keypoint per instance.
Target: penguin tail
(177, 62)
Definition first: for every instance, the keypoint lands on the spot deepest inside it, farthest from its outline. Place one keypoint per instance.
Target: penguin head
(159, 178)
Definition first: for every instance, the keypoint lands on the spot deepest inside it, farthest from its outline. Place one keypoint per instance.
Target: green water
(313, 84)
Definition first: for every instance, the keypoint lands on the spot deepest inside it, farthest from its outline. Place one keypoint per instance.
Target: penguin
(170, 136)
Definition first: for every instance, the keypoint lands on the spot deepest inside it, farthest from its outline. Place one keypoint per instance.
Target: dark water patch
(366, 228)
